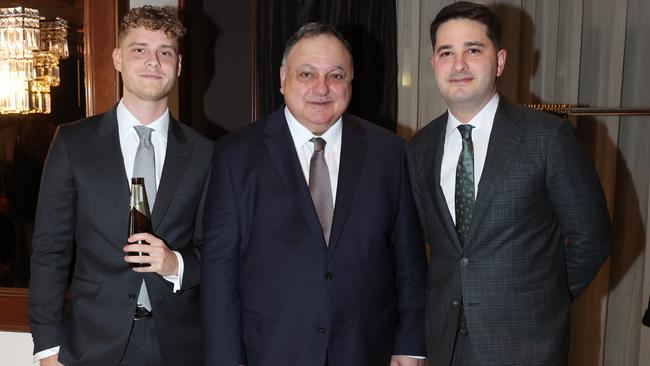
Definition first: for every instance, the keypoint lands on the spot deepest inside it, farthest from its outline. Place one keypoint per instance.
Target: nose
(153, 60)
(322, 86)
(459, 63)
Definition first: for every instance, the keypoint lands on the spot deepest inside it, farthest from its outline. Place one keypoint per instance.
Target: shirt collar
(126, 121)
(482, 121)
(301, 134)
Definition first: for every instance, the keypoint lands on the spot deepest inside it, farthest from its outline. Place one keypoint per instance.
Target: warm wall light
(30, 50)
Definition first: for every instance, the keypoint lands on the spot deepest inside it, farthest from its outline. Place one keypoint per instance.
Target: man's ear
(117, 59)
(283, 75)
(501, 61)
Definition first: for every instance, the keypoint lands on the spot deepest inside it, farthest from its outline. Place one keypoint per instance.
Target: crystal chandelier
(30, 50)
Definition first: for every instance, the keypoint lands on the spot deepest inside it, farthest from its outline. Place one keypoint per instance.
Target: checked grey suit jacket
(539, 233)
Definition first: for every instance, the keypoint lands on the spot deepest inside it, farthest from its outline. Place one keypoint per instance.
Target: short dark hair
(472, 11)
(152, 18)
(311, 30)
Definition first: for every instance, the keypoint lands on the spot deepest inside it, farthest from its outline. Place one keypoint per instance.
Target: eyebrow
(144, 44)
(466, 44)
(310, 66)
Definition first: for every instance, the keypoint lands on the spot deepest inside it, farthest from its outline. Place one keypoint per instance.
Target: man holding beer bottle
(124, 309)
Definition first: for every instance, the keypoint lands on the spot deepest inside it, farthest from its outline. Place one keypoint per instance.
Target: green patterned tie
(464, 197)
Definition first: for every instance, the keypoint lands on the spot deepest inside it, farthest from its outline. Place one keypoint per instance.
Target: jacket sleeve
(580, 205)
(52, 245)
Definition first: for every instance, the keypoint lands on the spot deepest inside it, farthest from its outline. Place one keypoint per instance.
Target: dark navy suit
(273, 293)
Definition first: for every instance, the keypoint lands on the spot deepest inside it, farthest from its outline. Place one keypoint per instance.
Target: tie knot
(465, 131)
(144, 133)
(319, 143)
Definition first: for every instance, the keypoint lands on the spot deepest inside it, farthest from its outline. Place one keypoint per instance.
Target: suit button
(328, 276)
(455, 303)
(464, 261)
(322, 330)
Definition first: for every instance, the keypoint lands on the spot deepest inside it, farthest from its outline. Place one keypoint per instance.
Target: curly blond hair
(152, 18)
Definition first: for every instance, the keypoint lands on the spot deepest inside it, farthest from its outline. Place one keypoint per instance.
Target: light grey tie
(320, 188)
(144, 166)
(145, 163)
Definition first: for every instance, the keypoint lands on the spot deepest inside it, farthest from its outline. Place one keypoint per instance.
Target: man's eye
(139, 50)
(305, 75)
(165, 53)
(445, 54)
(337, 76)
(473, 51)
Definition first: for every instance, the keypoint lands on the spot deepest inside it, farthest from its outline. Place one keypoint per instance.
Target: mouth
(151, 76)
(319, 103)
(461, 80)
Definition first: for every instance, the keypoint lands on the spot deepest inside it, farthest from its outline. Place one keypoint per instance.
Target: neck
(145, 111)
(464, 112)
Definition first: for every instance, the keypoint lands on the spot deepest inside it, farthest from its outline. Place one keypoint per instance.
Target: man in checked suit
(117, 315)
(313, 253)
(510, 204)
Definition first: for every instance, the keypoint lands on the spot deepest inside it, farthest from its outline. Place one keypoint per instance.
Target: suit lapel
(281, 149)
(353, 154)
(433, 177)
(112, 180)
(504, 139)
(177, 157)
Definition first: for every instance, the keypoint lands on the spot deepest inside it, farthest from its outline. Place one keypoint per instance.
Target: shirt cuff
(417, 357)
(45, 353)
(178, 278)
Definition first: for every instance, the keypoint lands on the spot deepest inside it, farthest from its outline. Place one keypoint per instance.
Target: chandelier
(30, 50)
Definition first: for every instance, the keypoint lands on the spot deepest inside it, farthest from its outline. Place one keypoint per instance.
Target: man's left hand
(162, 259)
(406, 361)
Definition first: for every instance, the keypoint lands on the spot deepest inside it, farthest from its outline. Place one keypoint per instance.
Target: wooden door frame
(102, 92)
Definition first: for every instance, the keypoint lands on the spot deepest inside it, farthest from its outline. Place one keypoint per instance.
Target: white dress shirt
(305, 148)
(129, 141)
(482, 123)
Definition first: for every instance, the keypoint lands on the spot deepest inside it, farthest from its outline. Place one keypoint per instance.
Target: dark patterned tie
(464, 197)
(320, 188)
(144, 166)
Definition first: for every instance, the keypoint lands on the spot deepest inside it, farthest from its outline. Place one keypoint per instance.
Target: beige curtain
(588, 52)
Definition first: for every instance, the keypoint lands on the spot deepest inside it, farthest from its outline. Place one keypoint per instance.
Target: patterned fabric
(145, 166)
(320, 188)
(145, 163)
(464, 197)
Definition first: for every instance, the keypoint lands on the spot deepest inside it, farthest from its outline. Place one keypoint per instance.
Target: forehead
(461, 30)
(143, 35)
(322, 50)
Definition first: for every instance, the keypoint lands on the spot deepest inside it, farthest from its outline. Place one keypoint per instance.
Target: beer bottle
(139, 216)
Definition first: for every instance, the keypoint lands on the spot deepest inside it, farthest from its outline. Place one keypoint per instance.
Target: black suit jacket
(539, 233)
(83, 209)
(273, 294)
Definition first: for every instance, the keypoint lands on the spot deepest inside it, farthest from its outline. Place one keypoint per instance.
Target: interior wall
(216, 87)
(587, 52)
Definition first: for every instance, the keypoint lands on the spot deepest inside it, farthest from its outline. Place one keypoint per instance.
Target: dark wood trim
(13, 316)
(102, 92)
(100, 26)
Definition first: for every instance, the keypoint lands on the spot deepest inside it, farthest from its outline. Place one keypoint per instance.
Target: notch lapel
(109, 165)
(504, 139)
(353, 154)
(177, 157)
(281, 148)
(433, 177)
